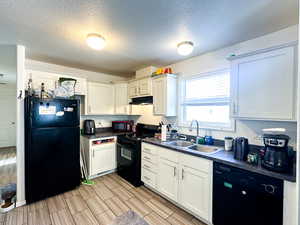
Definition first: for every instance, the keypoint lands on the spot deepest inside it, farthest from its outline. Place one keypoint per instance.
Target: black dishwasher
(241, 197)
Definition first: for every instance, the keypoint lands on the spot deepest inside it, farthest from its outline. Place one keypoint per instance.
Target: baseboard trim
(102, 174)
(19, 204)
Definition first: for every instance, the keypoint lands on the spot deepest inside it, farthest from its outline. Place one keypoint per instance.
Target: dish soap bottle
(163, 132)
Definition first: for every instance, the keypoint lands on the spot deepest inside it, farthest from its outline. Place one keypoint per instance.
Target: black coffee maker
(276, 155)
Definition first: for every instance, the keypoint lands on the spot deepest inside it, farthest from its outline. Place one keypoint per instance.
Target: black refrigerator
(52, 147)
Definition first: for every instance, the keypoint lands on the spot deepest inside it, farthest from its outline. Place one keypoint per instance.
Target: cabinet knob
(147, 178)
(146, 167)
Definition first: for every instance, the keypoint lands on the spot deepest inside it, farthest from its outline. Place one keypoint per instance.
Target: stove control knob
(269, 188)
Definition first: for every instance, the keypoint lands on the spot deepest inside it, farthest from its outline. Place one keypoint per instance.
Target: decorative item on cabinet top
(51, 81)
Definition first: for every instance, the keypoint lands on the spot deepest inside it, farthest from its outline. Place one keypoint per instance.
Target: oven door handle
(125, 146)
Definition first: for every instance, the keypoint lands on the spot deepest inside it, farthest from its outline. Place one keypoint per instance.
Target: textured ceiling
(138, 32)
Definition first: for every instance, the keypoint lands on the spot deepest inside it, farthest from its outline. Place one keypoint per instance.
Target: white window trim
(202, 125)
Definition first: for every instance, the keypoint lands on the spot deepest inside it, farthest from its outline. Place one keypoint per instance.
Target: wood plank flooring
(8, 174)
(100, 204)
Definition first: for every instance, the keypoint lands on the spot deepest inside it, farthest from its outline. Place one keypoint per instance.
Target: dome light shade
(95, 41)
(185, 48)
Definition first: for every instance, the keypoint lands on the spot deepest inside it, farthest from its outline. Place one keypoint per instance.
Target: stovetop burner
(137, 137)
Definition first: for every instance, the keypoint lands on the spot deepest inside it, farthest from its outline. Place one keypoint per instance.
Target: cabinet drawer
(196, 163)
(150, 149)
(149, 166)
(148, 177)
(149, 158)
(169, 155)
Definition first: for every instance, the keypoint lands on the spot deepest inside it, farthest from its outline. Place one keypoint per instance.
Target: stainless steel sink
(205, 148)
(180, 143)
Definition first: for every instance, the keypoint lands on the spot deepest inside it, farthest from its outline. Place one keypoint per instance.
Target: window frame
(213, 101)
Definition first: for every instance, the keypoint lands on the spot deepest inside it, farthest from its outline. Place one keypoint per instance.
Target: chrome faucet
(191, 129)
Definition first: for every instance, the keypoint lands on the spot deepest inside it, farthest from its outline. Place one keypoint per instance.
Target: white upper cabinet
(132, 89)
(140, 88)
(145, 87)
(264, 85)
(165, 95)
(121, 99)
(100, 98)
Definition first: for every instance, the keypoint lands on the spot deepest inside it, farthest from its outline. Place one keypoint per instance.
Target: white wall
(216, 60)
(20, 126)
(297, 197)
(147, 115)
(8, 67)
(89, 75)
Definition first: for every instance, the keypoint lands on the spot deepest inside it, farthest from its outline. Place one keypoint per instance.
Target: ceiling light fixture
(185, 48)
(95, 41)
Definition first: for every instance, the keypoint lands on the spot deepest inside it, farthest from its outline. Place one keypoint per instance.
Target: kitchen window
(206, 98)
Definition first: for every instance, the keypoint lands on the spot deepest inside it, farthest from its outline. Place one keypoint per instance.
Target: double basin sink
(208, 149)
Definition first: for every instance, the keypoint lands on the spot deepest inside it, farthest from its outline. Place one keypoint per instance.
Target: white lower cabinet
(149, 177)
(167, 178)
(100, 155)
(103, 158)
(194, 191)
(185, 179)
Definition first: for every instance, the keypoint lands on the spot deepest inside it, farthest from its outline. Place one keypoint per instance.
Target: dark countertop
(104, 132)
(227, 158)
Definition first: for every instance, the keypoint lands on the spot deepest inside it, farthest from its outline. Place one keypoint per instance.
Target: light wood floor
(99, 204)
(8, 166)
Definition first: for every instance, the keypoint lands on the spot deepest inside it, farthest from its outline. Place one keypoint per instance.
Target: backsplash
(246, 128)
(103, 121)
(249, 129)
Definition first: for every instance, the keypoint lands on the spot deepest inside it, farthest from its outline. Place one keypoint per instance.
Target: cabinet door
(195, 191)
(167, 178)
(145, 87)
(132, 89)
(159, 103)
(121, 99)
(100, 98)
(103, 158)
(264, 85)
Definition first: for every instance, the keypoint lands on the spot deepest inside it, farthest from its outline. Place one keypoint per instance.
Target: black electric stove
(129, 153)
